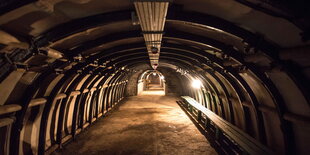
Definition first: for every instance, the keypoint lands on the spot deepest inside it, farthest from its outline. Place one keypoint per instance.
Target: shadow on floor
(147, 124)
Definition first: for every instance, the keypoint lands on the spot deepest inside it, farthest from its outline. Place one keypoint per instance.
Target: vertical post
(199, 116)
(207, 123)
(218, 133)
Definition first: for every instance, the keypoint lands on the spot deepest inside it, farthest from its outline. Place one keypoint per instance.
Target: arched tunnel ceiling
(92, 29)
(49, 14)
(244, 52)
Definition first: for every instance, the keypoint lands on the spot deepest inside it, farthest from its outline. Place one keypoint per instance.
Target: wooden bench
(247, 144)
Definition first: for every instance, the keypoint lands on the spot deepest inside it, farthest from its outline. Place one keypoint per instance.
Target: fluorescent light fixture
(196, 83)
(152, 17)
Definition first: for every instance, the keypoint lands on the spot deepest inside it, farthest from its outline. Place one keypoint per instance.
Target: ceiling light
(196, 84)
(154, 50)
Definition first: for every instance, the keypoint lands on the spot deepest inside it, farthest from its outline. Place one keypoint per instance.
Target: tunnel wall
(249, 80)
(233, 101)
(240, 112)
(133, 80)
(50, 109)
(173, 85)
(140, 87)
(58, 106)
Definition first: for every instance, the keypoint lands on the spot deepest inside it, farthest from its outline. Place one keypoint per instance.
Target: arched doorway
(151, 82)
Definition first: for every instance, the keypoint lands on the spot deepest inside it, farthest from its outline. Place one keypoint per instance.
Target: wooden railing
(231, 139)
(6, 117)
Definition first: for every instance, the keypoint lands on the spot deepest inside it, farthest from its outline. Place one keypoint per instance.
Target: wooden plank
(85, 90)
(8, 84)
(248, 143)
(236, 134)
(75, 93)
(37, 101)
(9, 108)
(6, 121)
(303, 120)
(60, 96)
(66, 138)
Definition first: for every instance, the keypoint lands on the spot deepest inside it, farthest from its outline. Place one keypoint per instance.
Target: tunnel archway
(64, 69)
(151, 80)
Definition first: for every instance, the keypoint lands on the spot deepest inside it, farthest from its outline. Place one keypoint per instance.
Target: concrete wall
(173, 85)
(140, 87)
(132, 85)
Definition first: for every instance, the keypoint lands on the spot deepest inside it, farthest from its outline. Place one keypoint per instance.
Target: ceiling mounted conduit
(152, 17)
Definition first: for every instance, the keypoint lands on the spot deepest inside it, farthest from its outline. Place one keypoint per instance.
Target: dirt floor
(147, 124)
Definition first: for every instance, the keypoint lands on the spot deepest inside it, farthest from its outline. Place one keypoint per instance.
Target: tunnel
(231, 76)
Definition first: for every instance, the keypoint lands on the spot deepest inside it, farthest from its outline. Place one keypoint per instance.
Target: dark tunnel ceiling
(49, 14)
(92, 29)
(206, 31)
(237, 44)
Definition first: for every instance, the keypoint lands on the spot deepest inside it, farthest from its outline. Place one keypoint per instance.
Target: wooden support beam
(7, 85)
(247, 104)
(52, 149)
(9, 108)
(85, 90)
(66, 138)
(265, 108)
(245, 141)
(287, 116)
(60, 96)
(11, 41)
(75, 93)
(232, 99)
(229, 62)
(37, 101)
(6, 121)
(93, 89)
(52, 53)
(222, 96)
(297, 118)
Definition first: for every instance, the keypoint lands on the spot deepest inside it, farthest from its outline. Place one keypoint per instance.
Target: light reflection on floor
(153, 92)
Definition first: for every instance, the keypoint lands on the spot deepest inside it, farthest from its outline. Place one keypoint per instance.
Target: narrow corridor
(147, 124)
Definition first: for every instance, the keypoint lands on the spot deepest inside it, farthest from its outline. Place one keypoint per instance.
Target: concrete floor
(147, 124)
